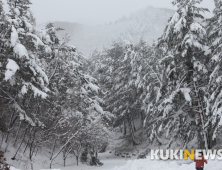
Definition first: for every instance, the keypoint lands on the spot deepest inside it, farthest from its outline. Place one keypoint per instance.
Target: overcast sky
(94, 11)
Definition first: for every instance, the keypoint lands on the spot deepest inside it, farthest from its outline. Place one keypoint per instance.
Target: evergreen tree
(22, 79)
(123, 72)
(186, 55)
(213, 100)
(44, 87)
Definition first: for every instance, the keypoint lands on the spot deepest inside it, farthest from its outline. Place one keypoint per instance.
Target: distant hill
(147, 24)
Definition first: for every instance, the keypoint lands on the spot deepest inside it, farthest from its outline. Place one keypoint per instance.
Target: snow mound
(148, 164)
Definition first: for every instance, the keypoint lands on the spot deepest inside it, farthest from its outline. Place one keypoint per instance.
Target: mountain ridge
(147, 24)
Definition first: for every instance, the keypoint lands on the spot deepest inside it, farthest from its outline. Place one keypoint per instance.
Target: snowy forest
(60, 105)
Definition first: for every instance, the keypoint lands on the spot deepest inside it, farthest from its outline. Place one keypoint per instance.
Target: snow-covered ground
(148, 164)
(109, 164)
(143, 164)
(41, 162)
(110, 161)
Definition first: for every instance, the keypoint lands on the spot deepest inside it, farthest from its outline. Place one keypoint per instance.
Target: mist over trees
(52, 97)
(147, 24)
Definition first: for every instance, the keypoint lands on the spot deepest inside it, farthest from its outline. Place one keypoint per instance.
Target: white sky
(94, 11)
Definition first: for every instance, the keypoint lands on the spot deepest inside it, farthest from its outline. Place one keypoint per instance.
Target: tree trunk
(200, 110)
(52, 153)
(36, 151)
(16, 136)
(132, 131)
(124, 127)
(7, 145)
(9, 127)
(121, 131)
(26, 146)
(31, 151)
(30, 133)
(96, 154)
(77, 160)
(134, 128)
(64, 162)
(20, 143)
(3, 135)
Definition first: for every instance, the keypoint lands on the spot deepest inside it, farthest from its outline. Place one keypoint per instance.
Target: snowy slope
(147, 23)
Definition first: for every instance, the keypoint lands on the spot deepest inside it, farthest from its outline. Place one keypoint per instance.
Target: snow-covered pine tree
(106, 63)
(214, 99)
(71, 106)
(121, 71)
(21, 73)
(74, 104)
(23, 81)
(69, 82)
(185, 43)
(155, 81)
